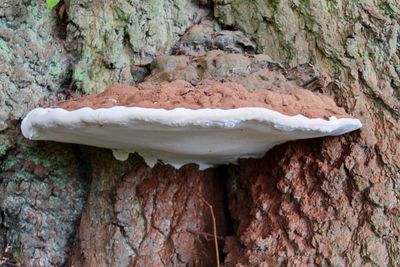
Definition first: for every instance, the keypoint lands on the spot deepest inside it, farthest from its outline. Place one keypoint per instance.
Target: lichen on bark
(109, 37)
(355, 44)
(43, 194)
(331, 201)
(42, 191)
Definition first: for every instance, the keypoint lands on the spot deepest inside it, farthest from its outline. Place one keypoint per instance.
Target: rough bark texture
(42, 186)
(108, 37)
(313, 204)
(327, 202)
(339, 201)
(137, 216)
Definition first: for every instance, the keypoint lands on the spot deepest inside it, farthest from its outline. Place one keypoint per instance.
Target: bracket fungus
(209, 124)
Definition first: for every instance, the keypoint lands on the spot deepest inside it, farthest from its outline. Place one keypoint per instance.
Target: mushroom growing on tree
(209, 124)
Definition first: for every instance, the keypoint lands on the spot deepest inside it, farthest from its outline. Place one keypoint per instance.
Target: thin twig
(206, 235)
(210, 207)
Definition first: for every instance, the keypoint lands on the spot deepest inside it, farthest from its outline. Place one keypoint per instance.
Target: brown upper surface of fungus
(210, 94)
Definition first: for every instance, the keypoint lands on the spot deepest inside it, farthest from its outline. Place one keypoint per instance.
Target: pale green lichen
(3, 149)
(42, 180)
(114, 36)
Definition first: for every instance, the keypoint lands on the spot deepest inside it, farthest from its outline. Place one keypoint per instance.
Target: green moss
(274, 3)
(3, 149)
(10, 161)
(332, 6)
(305, 2)
(17, 255)
(391, 10)
(80, 75)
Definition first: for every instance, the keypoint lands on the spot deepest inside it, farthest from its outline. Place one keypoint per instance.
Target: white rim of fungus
(85, 125)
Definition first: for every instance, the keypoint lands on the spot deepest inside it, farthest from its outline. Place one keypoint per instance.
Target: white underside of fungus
(179, 136)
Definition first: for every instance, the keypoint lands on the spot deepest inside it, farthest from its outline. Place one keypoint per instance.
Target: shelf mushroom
(209, 124)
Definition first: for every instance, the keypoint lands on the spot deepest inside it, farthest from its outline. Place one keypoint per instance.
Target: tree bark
(334, 201)
(138, 216)
(330, 201)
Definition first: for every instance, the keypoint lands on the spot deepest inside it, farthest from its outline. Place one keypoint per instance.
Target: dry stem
(210, 207)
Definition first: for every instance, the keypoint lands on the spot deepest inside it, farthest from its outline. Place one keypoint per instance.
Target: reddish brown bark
(137, 216)
(312, 203)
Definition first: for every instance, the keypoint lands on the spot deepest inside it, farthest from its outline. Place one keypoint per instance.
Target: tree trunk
(331, 201)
